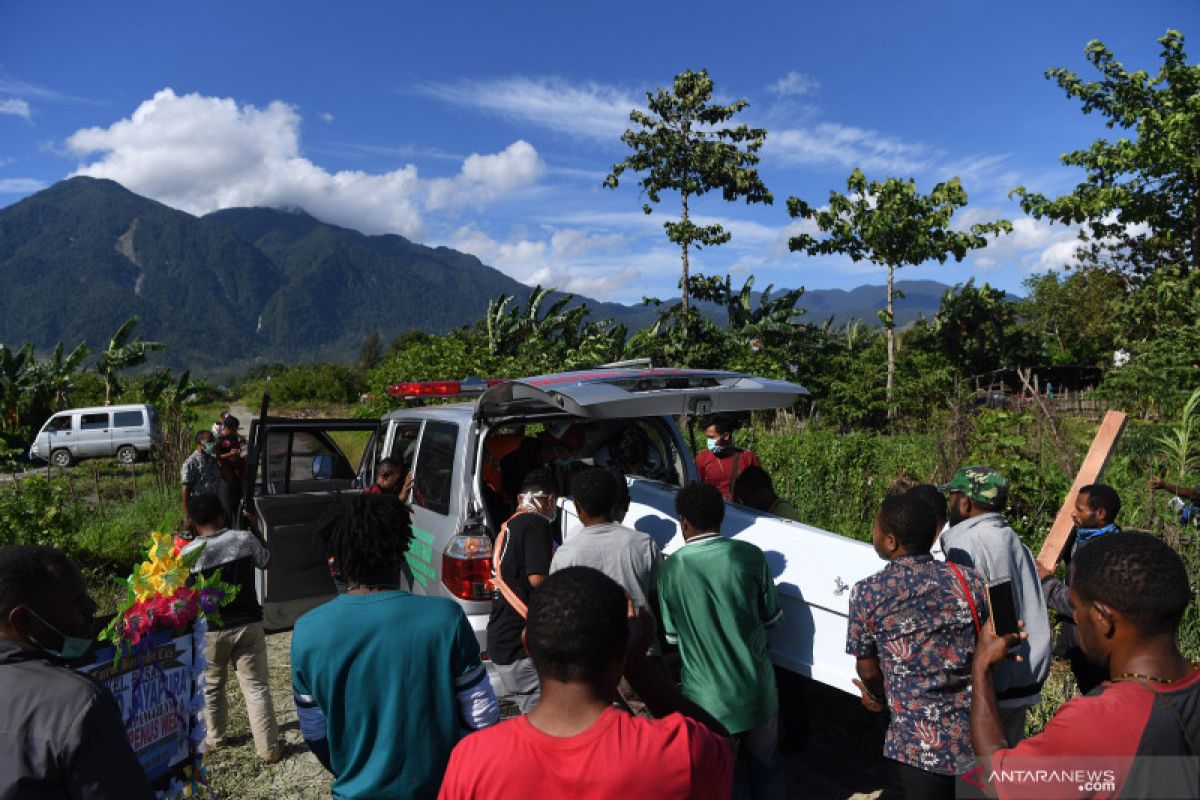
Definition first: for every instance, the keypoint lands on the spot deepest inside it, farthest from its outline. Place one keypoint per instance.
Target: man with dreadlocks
(384, 681)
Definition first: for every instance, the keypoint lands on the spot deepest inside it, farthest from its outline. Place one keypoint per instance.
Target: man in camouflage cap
(979, 538)
(981, 484)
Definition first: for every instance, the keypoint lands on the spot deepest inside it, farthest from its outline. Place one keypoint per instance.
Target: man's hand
(1157, 484)
(406, 489)
(870, 702)
(992, 649)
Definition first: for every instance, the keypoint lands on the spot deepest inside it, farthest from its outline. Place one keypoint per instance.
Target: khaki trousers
(245, 648)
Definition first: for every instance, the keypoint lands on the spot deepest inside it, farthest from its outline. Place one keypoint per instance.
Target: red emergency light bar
(413, 389)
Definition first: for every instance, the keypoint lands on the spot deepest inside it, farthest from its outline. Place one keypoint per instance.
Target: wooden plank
(1093, 467)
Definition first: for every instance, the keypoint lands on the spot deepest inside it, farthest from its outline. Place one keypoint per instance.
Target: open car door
(626, 393)
(295, 470)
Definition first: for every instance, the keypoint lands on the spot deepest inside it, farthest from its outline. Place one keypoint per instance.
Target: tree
(892, 224)
(123, 352)
(1152, 181)
(371, 352)
(679, 147)
(976, 330)
(1071, 315)
(772, 320)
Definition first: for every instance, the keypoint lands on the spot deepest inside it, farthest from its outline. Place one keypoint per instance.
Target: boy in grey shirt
(629, 557)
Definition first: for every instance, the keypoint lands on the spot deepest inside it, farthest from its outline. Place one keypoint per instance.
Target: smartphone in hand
(1003, 608)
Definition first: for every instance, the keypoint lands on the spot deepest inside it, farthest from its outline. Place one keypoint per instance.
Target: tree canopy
(680, 146)
(1140, 198)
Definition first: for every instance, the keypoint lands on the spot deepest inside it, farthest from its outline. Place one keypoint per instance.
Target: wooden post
(1093, 467)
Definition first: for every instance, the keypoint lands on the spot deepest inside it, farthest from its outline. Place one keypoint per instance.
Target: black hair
(577, 624)
(1136, 574)
(205, 509)
(593, 489)
(911, 520)
(366, 535)
(204, 436)
(701, 504)
(1100, 495)
(622, 498)
(933, 496)
(754, 488)
(387, 466)
(230, 421)
(539, 480)
(722, 423)
(24, 569)
(628, 448)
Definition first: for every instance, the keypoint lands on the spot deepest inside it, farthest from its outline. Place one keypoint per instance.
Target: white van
(128, 432)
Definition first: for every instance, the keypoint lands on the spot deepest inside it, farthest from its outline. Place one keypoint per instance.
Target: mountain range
(241, 285)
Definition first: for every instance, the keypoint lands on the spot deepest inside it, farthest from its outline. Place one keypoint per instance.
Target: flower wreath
(158, 597)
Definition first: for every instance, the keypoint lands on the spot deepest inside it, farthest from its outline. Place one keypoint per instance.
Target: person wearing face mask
(721, 461)
(200, 473)
(523, 551)
(61, 733)
(1095, 514)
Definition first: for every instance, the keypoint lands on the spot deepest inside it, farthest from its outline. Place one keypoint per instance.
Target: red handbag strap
(970, 600)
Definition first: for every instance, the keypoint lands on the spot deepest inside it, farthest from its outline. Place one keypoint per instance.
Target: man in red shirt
(721, 461)
(575, 743)
(1136, 734)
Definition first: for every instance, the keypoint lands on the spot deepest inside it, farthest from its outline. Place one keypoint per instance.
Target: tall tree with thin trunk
(680, 146)
(892, 224)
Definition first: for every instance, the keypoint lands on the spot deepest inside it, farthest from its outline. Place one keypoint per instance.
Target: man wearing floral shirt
(913, 630)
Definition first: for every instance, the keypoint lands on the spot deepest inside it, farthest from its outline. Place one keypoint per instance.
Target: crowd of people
(636, 675)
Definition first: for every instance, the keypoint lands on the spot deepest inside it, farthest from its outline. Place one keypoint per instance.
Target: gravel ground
(831, 750)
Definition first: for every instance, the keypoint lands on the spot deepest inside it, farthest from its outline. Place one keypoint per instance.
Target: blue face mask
(72, 648)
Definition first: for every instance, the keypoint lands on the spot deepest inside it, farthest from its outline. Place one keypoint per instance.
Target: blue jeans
(758, 771)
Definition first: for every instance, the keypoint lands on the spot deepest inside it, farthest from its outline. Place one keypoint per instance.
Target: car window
(435, 467)
(93, 421)
(62, 423)
(295, 459)
(404, 443)
(127, 419)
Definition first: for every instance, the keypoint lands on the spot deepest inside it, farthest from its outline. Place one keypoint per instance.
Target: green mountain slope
(247, 284)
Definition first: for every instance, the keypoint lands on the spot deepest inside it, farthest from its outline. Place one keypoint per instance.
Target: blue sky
(489, 127)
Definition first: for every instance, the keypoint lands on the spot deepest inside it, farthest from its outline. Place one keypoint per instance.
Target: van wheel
(127, 454)
(62, 458)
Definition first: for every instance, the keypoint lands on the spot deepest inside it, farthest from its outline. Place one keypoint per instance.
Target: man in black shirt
(240, 640)
(523, 551)
(61, 733)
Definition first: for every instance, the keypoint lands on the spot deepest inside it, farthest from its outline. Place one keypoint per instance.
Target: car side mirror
(322, 467)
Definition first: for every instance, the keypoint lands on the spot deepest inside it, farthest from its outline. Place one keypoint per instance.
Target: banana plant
(123, 352)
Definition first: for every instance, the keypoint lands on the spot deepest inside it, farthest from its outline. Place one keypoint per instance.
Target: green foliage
(1180, 445)
(976, 330)
(681, 147)
(308, 383)
(371, 352)
(892, 224)
(1071, 316)
(559, 334)
(37, 512)
(123, 352)
(1140, 199)
(31, 390)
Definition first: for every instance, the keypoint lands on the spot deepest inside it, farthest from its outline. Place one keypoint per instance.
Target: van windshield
(59, 423)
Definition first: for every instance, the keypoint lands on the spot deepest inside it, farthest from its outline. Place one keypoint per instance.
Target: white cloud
(568, 259)
(795, 83)
(327, 117)
(20, 185)
(203, 153)
(589, 110)
(485, 177)
(830, 142)
(14, 106)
